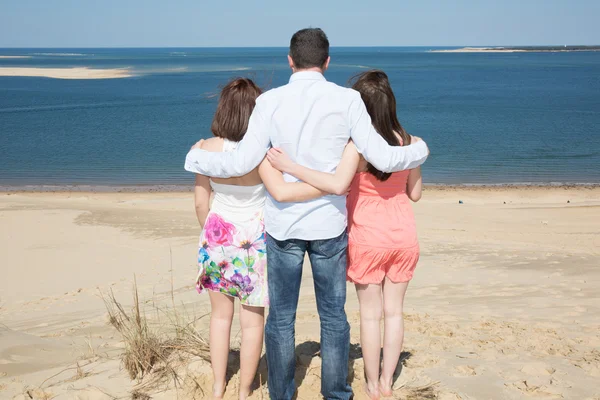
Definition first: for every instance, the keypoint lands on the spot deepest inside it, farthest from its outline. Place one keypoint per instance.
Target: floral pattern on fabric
(232, 259)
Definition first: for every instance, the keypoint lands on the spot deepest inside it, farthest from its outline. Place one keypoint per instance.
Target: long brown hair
(236, 102)
(376, 92)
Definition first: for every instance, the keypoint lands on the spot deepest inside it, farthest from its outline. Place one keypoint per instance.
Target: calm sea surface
(488, 118)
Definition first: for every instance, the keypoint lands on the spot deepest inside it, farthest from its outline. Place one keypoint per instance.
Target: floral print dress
(232, 255)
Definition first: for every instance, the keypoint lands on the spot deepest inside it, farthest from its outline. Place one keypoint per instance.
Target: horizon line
(281, 47)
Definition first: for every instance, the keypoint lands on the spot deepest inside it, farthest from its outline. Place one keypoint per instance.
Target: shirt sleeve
(375, 149)
(248, 154)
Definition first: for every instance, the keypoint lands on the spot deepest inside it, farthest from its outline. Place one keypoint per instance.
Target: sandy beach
(478, 50)
(13, 57)
(531, 49)
(67, 73)
(505, 303)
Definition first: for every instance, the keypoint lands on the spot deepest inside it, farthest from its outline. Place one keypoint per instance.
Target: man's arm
(375, 149)
(249, 153)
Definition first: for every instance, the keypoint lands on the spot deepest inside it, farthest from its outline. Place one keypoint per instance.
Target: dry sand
(505, 303)
(67, 73)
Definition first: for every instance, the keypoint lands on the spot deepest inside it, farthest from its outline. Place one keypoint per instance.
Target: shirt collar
(307, 75)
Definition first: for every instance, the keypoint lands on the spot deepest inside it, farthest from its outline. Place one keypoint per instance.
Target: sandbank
(67, 73)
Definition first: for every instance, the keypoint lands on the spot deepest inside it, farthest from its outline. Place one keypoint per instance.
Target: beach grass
(153, 355)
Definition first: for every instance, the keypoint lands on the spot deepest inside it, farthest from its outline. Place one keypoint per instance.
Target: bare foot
(244, 393)
(372, 391)
(218, 391)
(385, 387)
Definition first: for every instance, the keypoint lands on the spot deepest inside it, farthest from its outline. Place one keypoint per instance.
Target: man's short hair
(309, 48)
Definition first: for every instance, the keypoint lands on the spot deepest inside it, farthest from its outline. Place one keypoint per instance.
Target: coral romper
(382, 236)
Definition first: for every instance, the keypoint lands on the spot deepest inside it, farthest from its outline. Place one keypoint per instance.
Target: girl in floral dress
(232, 260)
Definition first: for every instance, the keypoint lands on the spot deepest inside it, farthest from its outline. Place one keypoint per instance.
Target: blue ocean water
(489, 118)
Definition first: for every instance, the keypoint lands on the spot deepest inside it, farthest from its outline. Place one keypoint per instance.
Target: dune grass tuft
(143, 347)
(426, 392)
(137, 395)
(156, 353)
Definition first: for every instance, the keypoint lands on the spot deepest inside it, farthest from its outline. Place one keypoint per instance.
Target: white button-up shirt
(311, 120)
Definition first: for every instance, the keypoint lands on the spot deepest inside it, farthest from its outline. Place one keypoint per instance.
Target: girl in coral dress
(383, 249)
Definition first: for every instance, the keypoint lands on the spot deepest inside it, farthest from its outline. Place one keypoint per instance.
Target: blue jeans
(328, 261)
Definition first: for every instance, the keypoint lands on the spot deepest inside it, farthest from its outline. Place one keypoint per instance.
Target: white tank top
(235, 198)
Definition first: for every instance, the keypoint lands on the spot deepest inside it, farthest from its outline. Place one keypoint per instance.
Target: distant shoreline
(519, 49)
(7, 189)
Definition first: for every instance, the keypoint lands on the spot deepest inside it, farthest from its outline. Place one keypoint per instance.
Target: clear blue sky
(197, 23)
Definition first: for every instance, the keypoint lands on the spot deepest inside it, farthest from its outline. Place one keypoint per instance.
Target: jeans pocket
(331, 247)
(279, 245)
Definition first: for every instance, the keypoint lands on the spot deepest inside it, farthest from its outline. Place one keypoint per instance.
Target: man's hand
(279, 160)
(416, 139)
(198, 145)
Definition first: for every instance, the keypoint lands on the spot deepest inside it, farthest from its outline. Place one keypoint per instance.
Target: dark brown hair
(309, 48)
(236, 102)
(376, 92)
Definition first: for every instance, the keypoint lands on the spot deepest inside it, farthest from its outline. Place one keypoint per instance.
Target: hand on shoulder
(197, 145)
(214, 144)
(416, 139)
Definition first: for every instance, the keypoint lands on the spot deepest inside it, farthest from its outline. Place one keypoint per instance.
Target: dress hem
(356, 282)
(235, 297)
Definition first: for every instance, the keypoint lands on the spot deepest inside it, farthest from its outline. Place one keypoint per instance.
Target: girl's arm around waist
(283, 191)
(336, 183)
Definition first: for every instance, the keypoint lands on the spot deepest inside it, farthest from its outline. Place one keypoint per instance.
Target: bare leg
(369, 297)
(220, 329)
(252, 320)
(393, 304)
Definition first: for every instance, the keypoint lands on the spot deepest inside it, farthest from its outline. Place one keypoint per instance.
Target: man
(311, 120)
